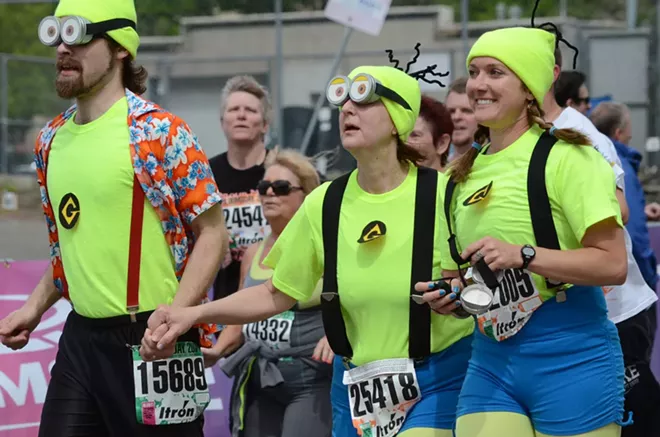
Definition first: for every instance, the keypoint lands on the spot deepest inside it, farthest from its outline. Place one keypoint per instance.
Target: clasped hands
(165, 325)
(168, 323)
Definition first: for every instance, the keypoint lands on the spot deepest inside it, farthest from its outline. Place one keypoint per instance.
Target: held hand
(652, 211)
(323, 352)
(149, 349)
(497, 254)
(439, 300)
(15, 329)
(165, 326)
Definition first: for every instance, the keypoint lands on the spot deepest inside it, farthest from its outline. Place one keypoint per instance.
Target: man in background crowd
(245, 111)
(637, 333)
(462, 115)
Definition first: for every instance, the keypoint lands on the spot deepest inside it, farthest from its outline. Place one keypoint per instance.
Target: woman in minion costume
(372, 234)
(532, 208)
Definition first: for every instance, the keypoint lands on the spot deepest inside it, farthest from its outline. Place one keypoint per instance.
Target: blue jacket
(637, 228)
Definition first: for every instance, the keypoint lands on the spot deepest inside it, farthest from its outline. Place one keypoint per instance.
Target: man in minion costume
(134, 222)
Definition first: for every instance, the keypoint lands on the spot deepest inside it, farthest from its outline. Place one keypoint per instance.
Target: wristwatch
(528, 253)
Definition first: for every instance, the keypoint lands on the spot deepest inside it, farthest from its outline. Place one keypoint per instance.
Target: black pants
(91, 392)
(299, 407)
(642, 389)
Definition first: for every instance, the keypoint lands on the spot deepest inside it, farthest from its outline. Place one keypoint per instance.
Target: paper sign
(367, 16)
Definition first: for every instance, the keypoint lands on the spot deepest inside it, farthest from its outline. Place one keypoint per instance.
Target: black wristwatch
(528, 253)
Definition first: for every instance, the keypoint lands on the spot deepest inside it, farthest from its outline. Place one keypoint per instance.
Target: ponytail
(535, 116)
(404, 152)
(460, 169)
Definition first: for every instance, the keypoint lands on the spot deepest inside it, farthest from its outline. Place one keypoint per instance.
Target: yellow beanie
(528, 52)
(101, 10)
(405, 86)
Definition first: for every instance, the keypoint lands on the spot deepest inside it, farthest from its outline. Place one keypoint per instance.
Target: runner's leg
(309, 413)
(426, 432)
(611, 430)
(642, 389)
(262, 417)
(495, 424)
(113, 386)
(69, 409)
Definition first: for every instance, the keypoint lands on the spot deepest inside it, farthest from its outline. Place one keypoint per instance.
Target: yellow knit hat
(101, 10)
(528, 52)
(406, 87)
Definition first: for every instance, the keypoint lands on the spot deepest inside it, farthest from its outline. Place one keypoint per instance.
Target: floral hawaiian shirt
(171, 168)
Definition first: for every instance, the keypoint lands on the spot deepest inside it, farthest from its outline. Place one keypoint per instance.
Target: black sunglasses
(280, 187)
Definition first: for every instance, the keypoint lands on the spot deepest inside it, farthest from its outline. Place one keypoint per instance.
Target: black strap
(543, 224)
(453, 248)
(488, 276)
(109, 25)
(537, 194)
(419, 320)
(540, 210)
(333, 321)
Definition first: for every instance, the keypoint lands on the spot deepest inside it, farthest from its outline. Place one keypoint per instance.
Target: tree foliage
(31, 84)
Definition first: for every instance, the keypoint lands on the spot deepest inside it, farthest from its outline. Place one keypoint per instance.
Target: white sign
(367, 16)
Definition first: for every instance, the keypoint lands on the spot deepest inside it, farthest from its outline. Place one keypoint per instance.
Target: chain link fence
(27, 101)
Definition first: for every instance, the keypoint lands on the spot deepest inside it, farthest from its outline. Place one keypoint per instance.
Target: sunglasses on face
(280, 187)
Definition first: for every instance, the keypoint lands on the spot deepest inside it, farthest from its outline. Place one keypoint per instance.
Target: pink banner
(24, 374)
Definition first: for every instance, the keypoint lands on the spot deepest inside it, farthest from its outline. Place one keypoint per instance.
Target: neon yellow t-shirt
(259, 273)
(580, 184)
(374, 277)
(93, 162)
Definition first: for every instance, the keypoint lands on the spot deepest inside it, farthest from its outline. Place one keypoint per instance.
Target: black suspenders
(419, 320)
(540, 211)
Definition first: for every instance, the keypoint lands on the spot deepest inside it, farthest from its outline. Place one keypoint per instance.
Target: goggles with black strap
(363, 90)
(74, 30)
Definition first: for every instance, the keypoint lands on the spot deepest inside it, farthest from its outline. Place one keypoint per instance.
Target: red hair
(436, 115)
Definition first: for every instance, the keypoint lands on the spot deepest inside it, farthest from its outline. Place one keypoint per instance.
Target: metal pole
(631, 13)
(319, 102)
(465, 8)
(563, 8)
(4, 114)
(279, 70)
(656, 68)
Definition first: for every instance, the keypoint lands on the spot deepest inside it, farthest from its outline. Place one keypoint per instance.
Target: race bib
(244, 220)
(170, 391)
(275, 331)
(381, 394)
(515, 300)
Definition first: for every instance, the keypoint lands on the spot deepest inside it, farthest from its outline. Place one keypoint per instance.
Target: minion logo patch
(69, 211)
(373, 230)
(479, 195)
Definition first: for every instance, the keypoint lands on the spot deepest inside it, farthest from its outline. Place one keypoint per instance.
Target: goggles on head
(364, 89)
(75, 30)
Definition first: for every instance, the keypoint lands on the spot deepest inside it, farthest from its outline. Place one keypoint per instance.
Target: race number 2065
(382, 392)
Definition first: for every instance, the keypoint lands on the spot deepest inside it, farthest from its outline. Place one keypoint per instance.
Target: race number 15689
(174, 375)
